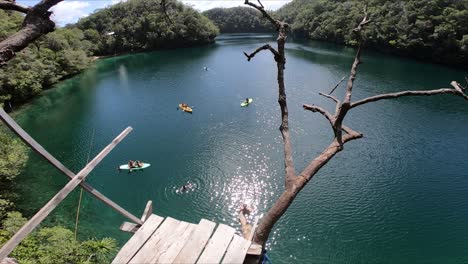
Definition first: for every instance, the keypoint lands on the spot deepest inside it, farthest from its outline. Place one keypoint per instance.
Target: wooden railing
(76, 180)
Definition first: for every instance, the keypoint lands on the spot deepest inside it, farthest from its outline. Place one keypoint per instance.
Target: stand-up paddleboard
(125, 167)
(244, 103)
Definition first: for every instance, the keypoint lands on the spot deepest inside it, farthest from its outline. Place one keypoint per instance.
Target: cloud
(70, 11)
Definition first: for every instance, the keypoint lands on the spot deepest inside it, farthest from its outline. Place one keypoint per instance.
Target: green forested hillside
(138, 25)
(239, 20)
(434, 30)
(59, 54)
(135, 25)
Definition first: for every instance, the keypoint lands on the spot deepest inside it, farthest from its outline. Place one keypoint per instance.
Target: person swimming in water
(186, 187)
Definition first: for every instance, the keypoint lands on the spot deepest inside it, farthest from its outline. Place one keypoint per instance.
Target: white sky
(71, 10)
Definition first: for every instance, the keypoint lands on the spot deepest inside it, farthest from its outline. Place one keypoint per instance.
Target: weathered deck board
(137, 241)
(165, 243)
(168, 255)
(217, 245)
(196, 242)
(237, 250)
(164, 231)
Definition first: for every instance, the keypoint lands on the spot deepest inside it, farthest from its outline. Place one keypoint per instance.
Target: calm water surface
(399, 195)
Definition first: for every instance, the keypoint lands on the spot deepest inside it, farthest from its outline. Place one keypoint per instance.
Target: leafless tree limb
(325, 113)
(36, 23)
(11, 5)
(336, 86)
(265, 13)
(408, 93)
(264, 47)
(364, 22)
(330, 97)
(164, 9)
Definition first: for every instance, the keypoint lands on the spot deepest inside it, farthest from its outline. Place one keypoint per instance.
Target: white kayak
(125, 167)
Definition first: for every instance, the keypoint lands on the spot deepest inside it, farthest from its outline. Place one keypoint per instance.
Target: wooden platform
(169, 240)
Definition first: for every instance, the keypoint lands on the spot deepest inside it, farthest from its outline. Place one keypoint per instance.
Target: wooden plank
(255, 249)
(136, 242)
(148, 211)
(60, 196)
(217, 245)
(196, 243)
(57, 164)
(237, 250)
(168, 251)
(129, 227)
(146, 253)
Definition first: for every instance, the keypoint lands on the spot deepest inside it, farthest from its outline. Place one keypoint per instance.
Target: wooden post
(148, 211)
(52, 160)
(59, 197)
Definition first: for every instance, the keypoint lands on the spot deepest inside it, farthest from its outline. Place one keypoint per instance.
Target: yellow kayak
(185, 108)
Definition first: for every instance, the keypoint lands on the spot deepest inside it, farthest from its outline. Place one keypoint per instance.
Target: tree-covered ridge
(238, 20)
(61, 53)
(137, 25)
(434, 30)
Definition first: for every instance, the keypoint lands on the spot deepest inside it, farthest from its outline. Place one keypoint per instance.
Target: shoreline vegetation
(125, 28)
(432, 31)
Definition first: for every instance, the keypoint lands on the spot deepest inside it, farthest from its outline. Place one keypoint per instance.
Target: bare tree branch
(36, 23)
(11, 5)
(325, 113)
(264, 47)
(279, 55)
(265, 13)
(458, 87)
(364, 21)
(336, 86)
(330, 97)
(164, 9)
(408, 93)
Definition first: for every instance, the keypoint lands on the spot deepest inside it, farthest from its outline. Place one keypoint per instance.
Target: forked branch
(325, 113)
(264, 47)
(36, 23)
(330, 97)
(261, 8)
(12, 5)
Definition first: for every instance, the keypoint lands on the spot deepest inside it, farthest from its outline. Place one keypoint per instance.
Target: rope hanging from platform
(81, 189)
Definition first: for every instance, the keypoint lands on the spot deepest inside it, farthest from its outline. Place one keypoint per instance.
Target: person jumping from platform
(246, 227)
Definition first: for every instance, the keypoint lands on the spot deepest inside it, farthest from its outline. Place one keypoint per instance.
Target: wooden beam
(59, 197)
(57, 164)
(255, 249)
(129, 227)
(148, 211)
